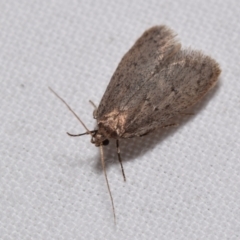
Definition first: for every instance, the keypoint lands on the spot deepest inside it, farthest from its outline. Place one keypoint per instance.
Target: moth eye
(105, 142)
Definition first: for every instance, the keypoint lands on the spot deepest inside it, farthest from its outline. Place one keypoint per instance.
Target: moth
(155, 81)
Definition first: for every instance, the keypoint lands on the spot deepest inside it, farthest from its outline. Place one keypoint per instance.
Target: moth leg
(119, 159)
(95, 109)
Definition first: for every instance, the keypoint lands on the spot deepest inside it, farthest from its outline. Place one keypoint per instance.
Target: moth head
(99, 139)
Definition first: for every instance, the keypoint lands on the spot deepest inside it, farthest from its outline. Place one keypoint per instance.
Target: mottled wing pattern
(136, 68)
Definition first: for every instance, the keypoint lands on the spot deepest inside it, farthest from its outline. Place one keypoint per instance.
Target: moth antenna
(120, 160)
(76, 135)
(89, 132)
(105, 174)
(80, 134)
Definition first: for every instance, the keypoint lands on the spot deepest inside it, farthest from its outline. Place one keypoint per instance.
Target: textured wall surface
(182, 183)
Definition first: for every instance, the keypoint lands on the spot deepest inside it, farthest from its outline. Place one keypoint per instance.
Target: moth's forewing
(137, 66)
(154, 82)
(176, 87)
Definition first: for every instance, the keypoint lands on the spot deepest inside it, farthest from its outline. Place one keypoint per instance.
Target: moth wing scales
(153, 82)
(180, 84)
(136, 66)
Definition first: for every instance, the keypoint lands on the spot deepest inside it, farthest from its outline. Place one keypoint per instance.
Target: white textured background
(183, 183)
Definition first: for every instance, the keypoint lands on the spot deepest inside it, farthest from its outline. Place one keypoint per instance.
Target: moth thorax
(107, 130)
